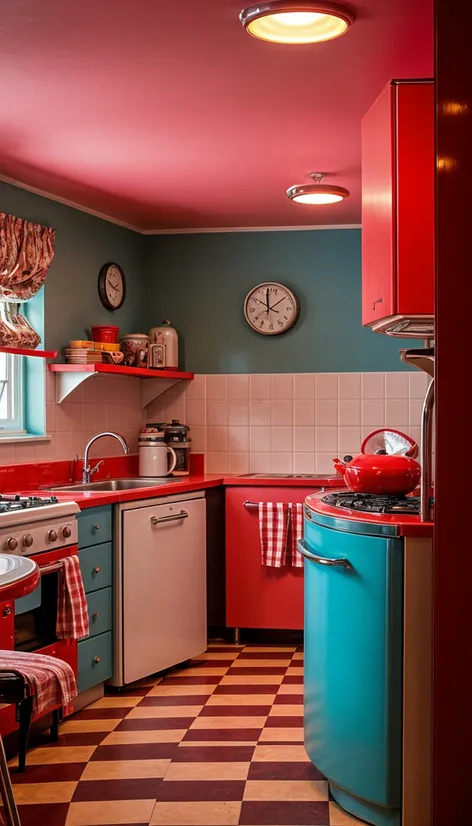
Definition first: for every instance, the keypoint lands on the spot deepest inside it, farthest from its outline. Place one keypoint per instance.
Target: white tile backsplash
(292, 423)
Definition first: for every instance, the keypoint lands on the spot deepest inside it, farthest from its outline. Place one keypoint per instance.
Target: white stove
(32, 524)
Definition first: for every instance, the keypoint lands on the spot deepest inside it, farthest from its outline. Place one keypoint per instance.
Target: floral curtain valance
(26, 252)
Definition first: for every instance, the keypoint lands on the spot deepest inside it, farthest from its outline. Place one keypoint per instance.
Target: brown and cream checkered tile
(218, 742)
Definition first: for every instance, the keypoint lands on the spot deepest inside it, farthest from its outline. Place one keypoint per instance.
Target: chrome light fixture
(283, 21)
(317, 193)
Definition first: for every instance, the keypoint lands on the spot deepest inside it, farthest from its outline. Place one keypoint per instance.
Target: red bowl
(105, 333)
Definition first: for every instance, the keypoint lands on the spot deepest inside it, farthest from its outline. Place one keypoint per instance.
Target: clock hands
(278, 302)
(264, 304)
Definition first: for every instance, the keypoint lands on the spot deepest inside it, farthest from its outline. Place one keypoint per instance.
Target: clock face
(270, 308)
(112, 286)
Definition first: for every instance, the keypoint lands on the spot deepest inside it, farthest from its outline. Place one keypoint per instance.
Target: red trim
(20, 588)
(118, 370)
(42, 354)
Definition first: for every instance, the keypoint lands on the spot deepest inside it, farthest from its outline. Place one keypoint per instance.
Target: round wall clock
(271, 308)
(111, 286)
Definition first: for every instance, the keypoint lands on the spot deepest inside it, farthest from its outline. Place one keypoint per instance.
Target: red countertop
(408, 525)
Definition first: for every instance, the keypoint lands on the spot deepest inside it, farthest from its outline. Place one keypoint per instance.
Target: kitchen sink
(120, 484)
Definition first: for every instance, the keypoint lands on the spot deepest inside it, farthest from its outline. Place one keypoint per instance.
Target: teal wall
(200, 281)
(83, 244)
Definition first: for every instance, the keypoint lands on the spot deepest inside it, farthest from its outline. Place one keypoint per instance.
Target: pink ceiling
(167, 115)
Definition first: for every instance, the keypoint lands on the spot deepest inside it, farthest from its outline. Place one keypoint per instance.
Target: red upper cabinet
(398, 170)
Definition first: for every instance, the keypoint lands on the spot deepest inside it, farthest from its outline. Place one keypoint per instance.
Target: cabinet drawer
(95, 564)
(94, 526)
(95, 661)
(100, 611)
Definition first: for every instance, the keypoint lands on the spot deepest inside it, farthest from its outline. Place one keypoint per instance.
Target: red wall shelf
(41, 354)
(69, 376)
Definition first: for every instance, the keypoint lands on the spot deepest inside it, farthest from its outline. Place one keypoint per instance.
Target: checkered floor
(217, 743)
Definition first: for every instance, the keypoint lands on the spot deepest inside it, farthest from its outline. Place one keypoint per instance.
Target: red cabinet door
(398, 203)
(258, 596)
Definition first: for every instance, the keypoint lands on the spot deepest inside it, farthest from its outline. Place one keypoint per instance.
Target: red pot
(108, 333)
(380, 473)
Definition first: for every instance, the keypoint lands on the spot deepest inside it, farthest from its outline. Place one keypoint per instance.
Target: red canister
(107, 333)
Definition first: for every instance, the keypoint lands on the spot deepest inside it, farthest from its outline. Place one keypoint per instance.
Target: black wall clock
(111, 286)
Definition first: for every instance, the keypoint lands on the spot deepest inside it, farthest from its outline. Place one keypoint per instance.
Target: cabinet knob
(97, 569)
(66, 532)
(96, 660)
(95, 614)
(97, 527)
(52, 536)
(12, 543)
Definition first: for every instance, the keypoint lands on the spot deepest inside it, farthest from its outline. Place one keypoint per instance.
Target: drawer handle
(95, 615)
(156, 520)
(96, 660)
(341, 562)
(97, 527)
(97, 569)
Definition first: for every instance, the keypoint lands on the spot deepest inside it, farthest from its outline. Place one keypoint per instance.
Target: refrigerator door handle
(341, 562)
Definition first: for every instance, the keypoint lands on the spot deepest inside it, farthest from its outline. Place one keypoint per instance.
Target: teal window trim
(34, 383)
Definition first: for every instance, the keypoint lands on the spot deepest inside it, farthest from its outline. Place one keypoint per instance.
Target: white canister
(154, 456)
(167, 335)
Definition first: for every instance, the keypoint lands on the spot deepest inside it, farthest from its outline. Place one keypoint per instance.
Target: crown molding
(185, 231)
(208, 230)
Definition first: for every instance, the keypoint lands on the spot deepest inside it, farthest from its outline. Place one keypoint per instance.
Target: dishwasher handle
(157, 520)
(341, 562)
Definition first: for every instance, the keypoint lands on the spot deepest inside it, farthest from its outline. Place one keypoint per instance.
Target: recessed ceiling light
(317, 193)
(282, 21)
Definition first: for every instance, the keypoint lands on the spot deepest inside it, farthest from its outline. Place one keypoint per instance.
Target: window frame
(14, 423)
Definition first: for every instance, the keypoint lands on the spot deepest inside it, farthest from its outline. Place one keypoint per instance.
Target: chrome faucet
(88, 472)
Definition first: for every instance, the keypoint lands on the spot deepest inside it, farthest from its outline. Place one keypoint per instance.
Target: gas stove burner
(374, 503)
(14, 502)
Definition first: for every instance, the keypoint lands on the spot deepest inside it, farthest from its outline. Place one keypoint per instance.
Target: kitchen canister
(166, 335)
(135, 349)
(176, 435)
(154, 454)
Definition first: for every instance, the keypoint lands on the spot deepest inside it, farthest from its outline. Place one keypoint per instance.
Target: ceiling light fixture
(317, 193)
(282, 21)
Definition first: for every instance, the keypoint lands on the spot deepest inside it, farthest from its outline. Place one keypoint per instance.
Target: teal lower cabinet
(95, 661)
(100, 605)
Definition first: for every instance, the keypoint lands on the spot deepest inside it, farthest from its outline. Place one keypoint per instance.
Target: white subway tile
(282, 439)
(304, 412)
(217, 412)
(195, 412)
(260, 386)
(326, 439)
(324, 464)
(282, 386)
(260, 439)
(373, 385)
(349, 385)
(216, 462)
(198, 437)
(238, 412)
(304, 439)
(216, 387)
(238, 386)
(238, 463)
(327, 386)
(282, 413)
(260, 413)
(326, 412)
(259, 462)
(281, 463)
(304, 463)
(414, 412)
(349, 412)
(304, 386)
(217, 438)
(396, 412)
(373, 411)
(238, 438)
(418, 384)
(415, 434)
(396, 386)
(349, 440)
(195, 390)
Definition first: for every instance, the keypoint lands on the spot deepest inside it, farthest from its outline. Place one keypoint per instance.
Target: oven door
(35, 615)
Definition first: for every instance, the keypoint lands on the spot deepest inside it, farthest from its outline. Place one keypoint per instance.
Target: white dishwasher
(160, 585)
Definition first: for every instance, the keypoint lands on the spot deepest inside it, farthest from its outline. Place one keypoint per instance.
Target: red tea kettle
(379, 473)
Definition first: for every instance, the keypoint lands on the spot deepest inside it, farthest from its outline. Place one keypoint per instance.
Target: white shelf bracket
(152, 388)
(66, 383)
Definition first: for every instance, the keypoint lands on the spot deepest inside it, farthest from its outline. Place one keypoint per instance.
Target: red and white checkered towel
(295, 533)
(72, 611)
(49, 680)
(273, 530)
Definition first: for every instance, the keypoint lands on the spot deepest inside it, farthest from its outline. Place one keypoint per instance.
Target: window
(11, 394)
